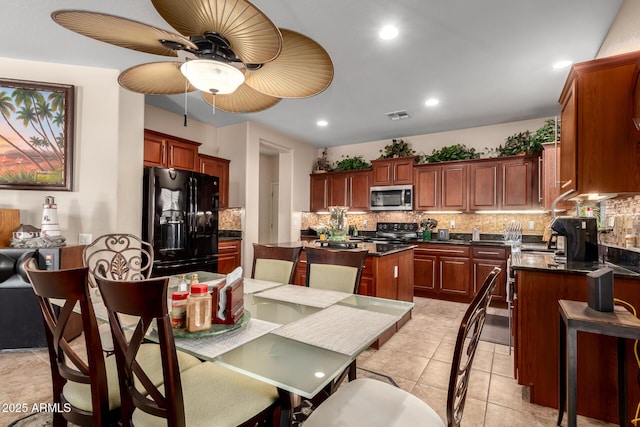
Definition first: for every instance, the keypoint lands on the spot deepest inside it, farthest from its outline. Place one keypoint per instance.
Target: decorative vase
(338, 222)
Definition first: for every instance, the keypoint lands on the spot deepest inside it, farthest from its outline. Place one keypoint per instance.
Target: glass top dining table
(313, 335)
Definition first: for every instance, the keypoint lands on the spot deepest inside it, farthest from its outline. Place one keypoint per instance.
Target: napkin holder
(234, 307)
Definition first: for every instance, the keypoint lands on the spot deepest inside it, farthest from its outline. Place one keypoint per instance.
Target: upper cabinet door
(426, 182)
(393, 171)
(169, 151)
(517, 183)
(359, 185)
(599, 141)
(454, 188)
(483, 185)
(319, 192)
(217, 167)
(338, 190)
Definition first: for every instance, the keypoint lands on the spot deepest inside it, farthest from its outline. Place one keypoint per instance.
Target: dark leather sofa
(21, 325)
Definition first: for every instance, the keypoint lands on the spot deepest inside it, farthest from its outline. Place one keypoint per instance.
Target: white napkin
(222, 300)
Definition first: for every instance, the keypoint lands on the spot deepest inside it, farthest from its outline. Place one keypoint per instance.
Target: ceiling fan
(228, 49)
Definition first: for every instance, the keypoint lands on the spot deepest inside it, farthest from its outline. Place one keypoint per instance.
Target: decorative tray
(215, 328)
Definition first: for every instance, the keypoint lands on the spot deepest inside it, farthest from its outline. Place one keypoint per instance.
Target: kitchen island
(388, 273)
(541, 280)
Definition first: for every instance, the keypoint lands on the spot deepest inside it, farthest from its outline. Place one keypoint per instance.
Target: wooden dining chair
(375, 403)
(275, 263)
(205, 395)
(86, 386)
(336, 270)
(118, 257)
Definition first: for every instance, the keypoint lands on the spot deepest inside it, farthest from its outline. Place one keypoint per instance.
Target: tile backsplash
(534, 223)
(230, 219)
(622, 217)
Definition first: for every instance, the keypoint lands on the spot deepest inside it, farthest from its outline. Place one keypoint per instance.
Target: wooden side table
(578, 316)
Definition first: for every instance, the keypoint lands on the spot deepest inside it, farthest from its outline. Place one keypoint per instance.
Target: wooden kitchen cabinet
(350, 189)
(393, 171)
(217, 167)
(536, 344)
(485, 258)
(170, 151)
(520, 183)
(550, 175)
(319, 192)
(440, 187)
(600, 150)
(229, 255)
(442, 271)
(483, 185)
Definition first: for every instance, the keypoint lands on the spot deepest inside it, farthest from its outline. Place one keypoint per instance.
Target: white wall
(173, 124)
(108, 152)
(624, 34)
(478, 138)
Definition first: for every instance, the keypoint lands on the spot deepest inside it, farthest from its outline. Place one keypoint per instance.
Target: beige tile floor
(417, 358)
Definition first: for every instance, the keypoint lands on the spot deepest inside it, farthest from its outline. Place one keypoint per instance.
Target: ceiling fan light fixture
(212, 76)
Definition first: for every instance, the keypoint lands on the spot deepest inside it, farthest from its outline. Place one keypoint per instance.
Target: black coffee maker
(581, 237)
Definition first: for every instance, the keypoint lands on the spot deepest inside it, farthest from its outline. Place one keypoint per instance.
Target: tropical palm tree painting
(36, 135)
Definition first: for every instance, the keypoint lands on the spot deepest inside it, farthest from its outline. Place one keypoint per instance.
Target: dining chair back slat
(275, 263)
(118, 257)
(338, 270)
(68, 366)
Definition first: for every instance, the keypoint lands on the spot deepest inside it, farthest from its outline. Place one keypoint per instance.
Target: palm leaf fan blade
(250, 33)
(243, 100)
(302, 69)
(155, 78)
(119, 31)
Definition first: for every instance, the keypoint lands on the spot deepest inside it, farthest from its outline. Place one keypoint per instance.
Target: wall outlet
(365, 223)
(532, 225)
(85, 238)
(453, 224)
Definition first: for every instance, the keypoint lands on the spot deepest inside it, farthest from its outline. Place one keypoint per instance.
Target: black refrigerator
(180, 220)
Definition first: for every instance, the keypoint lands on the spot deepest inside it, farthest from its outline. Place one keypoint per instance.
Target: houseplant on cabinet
(349, 163)
(397, 148)
(322, 163)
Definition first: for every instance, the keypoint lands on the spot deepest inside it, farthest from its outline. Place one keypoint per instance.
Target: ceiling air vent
(397, 115)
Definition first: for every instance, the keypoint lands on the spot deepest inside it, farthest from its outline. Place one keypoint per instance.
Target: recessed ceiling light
(562, 64)
(431, 102)
(388, 32)
(322, 123)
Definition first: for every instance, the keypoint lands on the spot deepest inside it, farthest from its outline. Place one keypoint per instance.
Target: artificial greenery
(348, 163)
(547, 133)
(397, 148)
(322, 163)
(452, 152)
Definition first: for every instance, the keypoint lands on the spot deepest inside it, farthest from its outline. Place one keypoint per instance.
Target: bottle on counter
(355, 231)
(193, 279)
(199, 308)
(179, 309)
(182, 283)
(630, 240)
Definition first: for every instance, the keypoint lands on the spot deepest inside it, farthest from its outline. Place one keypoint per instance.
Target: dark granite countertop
(375, 249)
(548, 262)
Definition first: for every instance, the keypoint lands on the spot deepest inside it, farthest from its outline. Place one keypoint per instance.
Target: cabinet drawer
(229, 246)
(442, 250)
(490, 252)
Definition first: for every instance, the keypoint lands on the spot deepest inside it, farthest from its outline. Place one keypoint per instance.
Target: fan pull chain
(213, 102)
(186, 99)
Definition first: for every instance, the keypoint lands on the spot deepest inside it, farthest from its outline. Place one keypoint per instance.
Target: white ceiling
(487, 61)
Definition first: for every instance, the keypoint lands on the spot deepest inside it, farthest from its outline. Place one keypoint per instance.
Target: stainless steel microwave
(392, 198)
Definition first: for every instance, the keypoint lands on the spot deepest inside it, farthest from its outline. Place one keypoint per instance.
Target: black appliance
(21, 325)
(396, 232)
(581, 237)
(180, 220)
